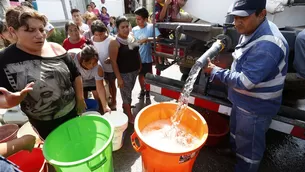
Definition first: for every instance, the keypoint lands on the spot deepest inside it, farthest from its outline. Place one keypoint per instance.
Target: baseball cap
(245, 8)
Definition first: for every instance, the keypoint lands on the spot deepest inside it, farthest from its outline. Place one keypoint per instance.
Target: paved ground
(283, 154)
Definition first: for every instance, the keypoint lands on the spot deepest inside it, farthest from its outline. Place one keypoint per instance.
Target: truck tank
(280, 12)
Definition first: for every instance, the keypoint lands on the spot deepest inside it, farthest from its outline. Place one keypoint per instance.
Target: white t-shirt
(88, 76)
(84, 28)
(103, 52)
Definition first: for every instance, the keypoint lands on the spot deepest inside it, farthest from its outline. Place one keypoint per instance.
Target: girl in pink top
(94, 9)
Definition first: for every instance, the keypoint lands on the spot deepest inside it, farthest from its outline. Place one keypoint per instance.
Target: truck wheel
(184, 70)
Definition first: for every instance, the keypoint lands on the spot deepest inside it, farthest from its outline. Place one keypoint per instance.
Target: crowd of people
(51, 81)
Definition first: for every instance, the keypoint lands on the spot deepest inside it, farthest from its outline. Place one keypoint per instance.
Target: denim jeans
(6, 166)
(299, 57)
(247, 137)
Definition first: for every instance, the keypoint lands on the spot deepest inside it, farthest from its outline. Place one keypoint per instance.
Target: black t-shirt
(53, 95)
(128, 60)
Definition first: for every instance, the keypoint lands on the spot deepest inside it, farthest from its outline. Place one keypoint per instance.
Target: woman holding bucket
(86, 60)
(57, 94)
(126, 62)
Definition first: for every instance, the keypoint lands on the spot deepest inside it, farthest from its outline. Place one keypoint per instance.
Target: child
(143, 33)
(101, 40)
(89, 20)
(78, 20)
(86, 61)
(111, 26)
(75, 40)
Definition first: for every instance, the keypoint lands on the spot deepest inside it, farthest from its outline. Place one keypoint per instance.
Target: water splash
(162, 136)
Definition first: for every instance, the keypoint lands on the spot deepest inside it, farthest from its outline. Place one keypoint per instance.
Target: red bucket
(8, 132)
(218, 127)
(30, 161)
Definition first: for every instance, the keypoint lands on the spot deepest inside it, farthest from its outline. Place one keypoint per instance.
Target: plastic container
(14, 115)
(120, 123)
(90, 113)
(218, 128)
(30, 161)
(92, 105)
(155, 160)
(81, 144)
(8, 132)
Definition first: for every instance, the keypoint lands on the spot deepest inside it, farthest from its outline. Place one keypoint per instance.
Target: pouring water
(170, 134)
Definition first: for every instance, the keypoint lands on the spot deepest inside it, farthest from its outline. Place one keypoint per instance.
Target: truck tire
(184, 70)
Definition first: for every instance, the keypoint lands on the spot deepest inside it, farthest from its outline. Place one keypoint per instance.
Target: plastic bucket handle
(44, 166)
(135, 146)
(98, 165)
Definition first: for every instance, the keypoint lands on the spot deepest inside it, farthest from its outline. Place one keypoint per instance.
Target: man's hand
(14, 99)
(28, 142)
(120, 83)
(209, 67)
(80, 106)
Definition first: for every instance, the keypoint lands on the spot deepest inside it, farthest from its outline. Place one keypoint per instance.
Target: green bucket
(81, 144)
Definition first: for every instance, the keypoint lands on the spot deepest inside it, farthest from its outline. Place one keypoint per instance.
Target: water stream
(171, 135)
(185, 94)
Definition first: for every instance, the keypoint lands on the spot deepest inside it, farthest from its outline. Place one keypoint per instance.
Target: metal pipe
(175, 85)
(64, 6)
(154, 26)
(177, 31)
(217, 46)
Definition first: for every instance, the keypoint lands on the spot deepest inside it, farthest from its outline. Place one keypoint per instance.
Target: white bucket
(120, 122)
(14, 115)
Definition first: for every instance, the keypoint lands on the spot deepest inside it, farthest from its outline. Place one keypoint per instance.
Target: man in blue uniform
(255, 81)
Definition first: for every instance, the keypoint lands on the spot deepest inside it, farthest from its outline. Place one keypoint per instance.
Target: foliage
(132, 21)
(57, 36)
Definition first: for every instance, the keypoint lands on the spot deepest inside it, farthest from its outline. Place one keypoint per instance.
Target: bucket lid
(117, 118)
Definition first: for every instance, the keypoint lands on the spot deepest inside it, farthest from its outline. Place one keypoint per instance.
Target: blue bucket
(92, 105)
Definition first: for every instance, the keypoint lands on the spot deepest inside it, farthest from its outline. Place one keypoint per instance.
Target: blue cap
(245, 8)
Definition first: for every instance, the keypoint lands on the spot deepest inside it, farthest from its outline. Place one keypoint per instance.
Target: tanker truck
(211, 25)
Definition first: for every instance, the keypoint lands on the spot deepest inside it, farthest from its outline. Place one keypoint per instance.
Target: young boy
(143, 32)
(78, 20)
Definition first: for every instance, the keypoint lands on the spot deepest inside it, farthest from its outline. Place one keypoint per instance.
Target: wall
(214, 11)
(114, 7)
(53, 9)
